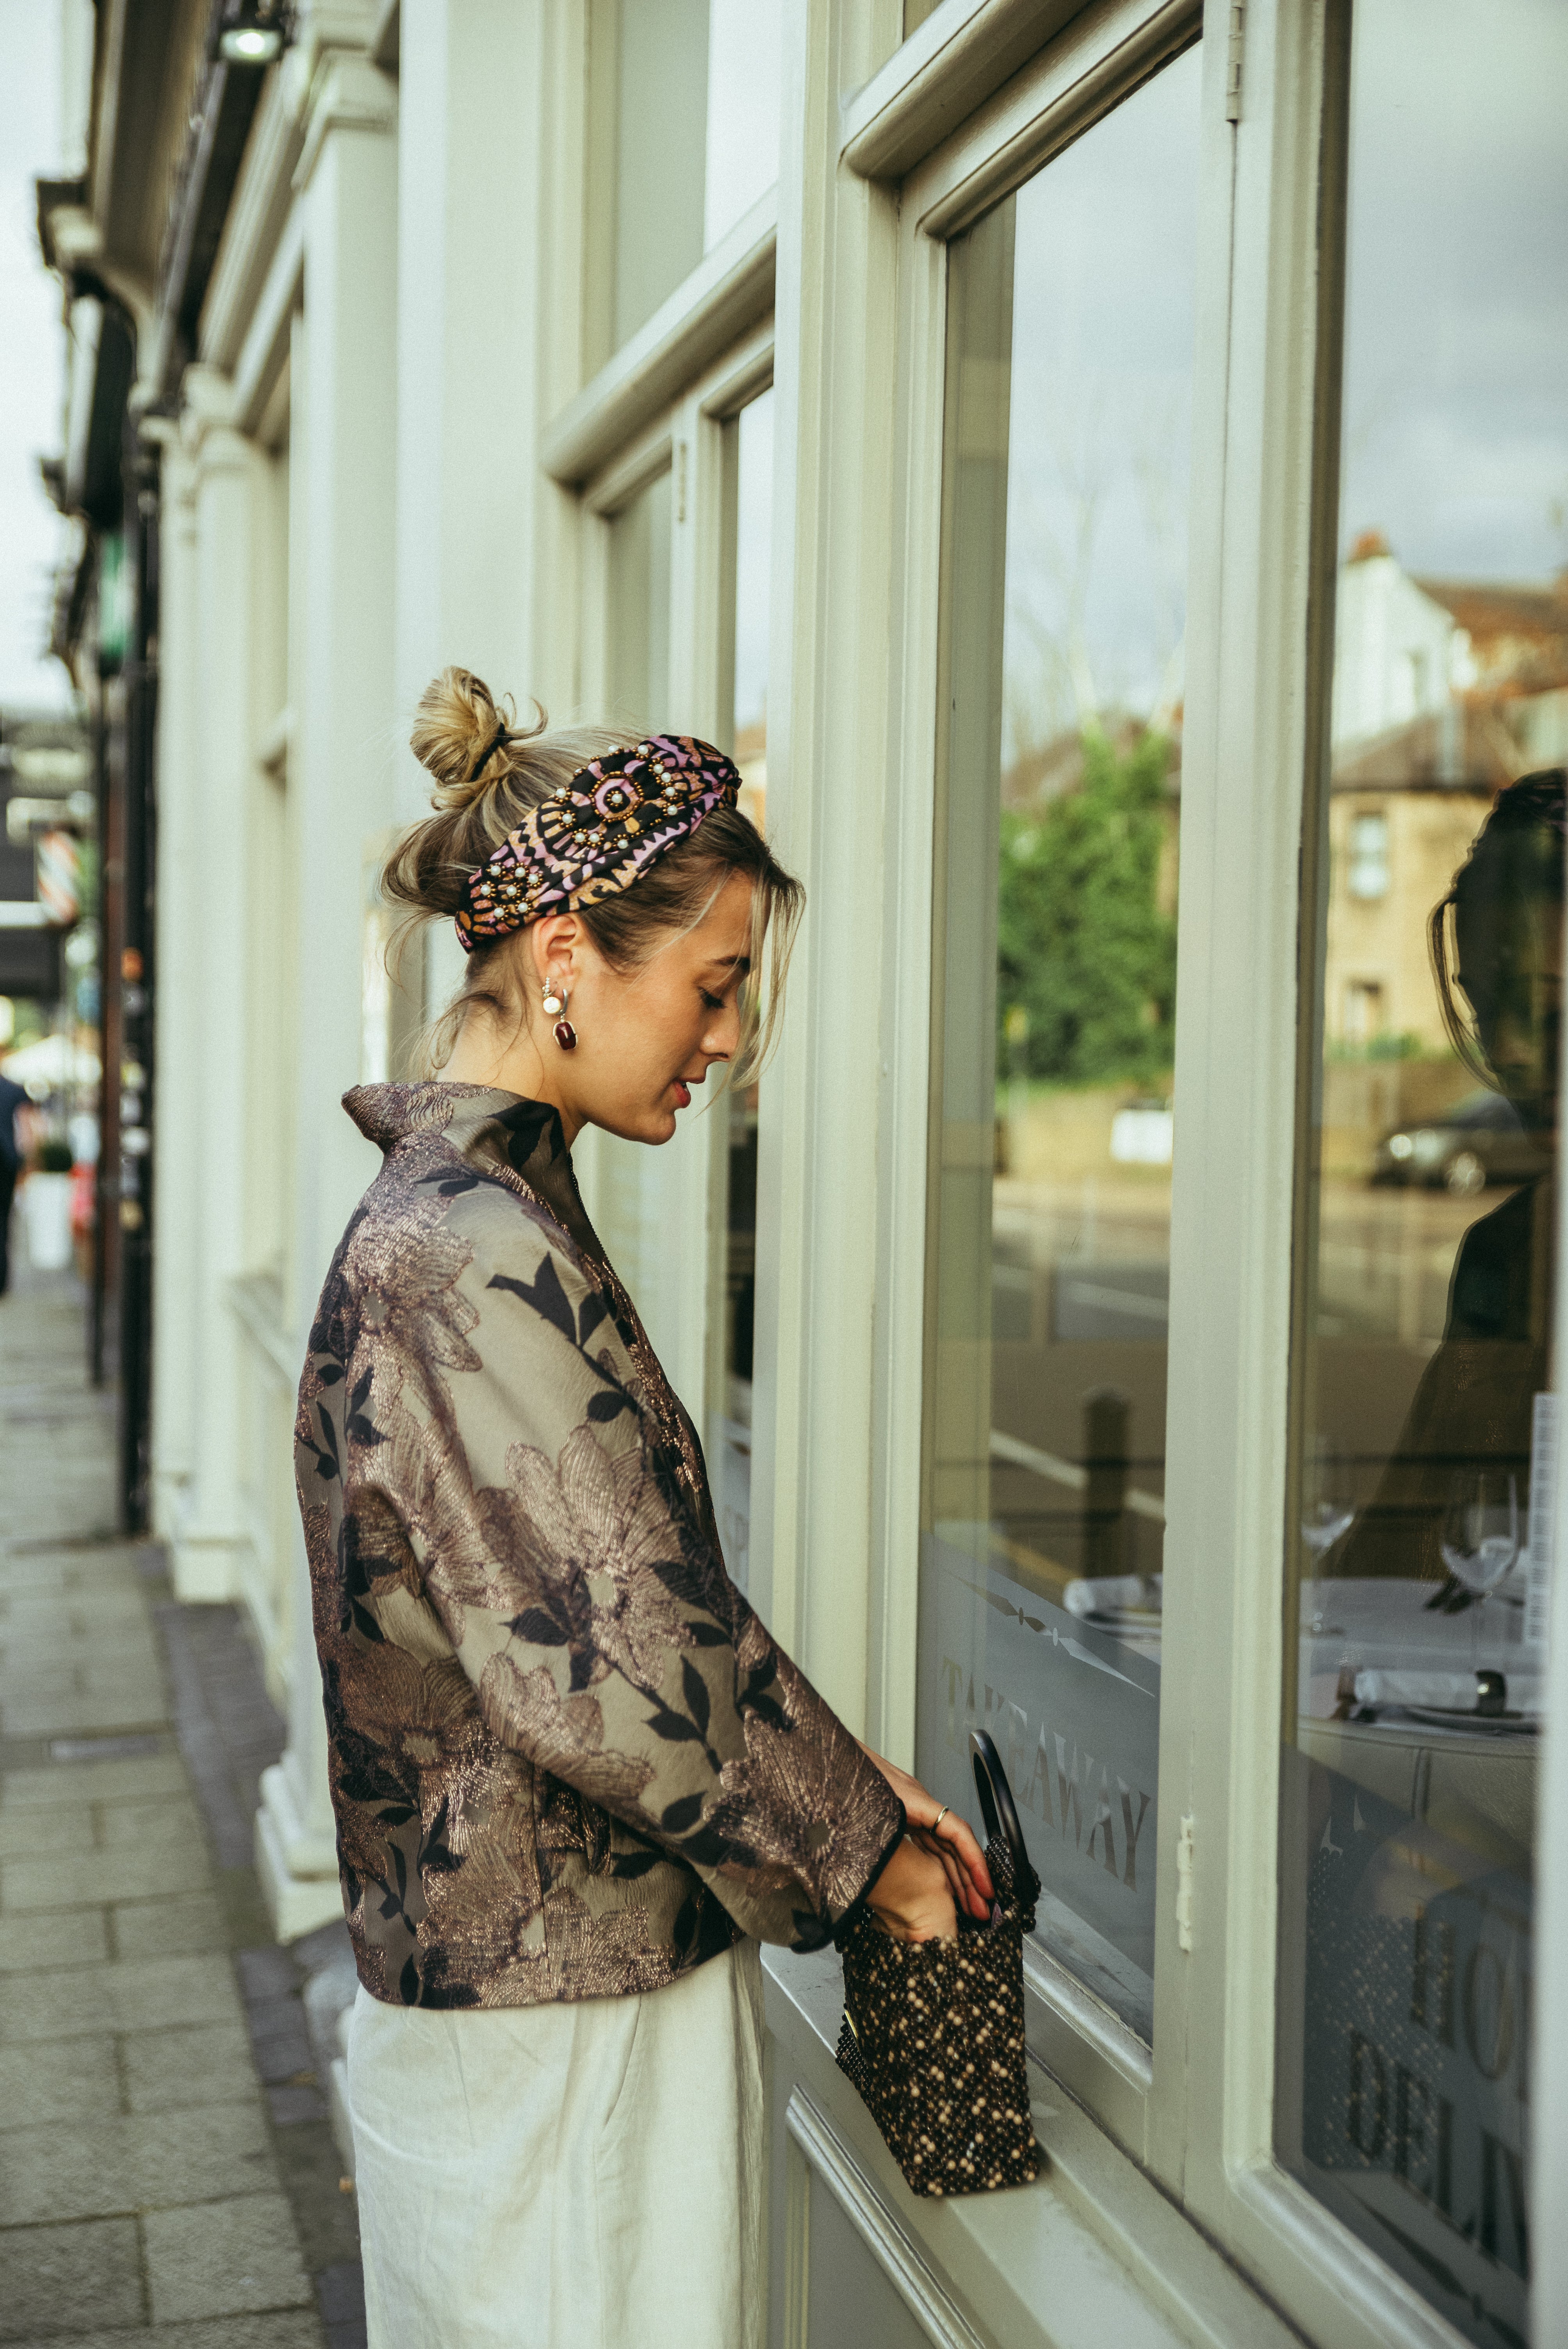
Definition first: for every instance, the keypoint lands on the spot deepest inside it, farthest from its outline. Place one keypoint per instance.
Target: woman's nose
(723, 1035)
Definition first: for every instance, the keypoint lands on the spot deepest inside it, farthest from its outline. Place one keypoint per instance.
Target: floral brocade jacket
(567, 1759)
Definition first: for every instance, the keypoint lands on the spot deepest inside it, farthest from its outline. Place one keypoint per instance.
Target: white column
(203, 1030)
(177, 1005)
(469, 255)
(342, 699)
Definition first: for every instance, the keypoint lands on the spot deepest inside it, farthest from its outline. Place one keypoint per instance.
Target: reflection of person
(1496, 943)
(572, 1772)
(12, 1099)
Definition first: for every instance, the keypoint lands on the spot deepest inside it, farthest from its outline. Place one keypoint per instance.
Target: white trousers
(581, 2177)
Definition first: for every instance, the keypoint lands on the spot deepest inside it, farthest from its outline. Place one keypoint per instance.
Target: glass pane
(1425, 1421)
(684, 138)
(745, 91)
(1070, 315)
(625, 1195)
(750, 518)
(640, 609)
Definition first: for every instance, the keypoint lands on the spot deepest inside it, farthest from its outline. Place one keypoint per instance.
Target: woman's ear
(556, 943)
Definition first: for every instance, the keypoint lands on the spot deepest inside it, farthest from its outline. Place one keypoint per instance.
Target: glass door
(1426, 1387)
(1070, 343)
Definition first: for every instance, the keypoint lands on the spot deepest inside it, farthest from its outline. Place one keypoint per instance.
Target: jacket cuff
(852, 1914)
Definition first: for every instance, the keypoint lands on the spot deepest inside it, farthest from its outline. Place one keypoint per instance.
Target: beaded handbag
(933, 2035)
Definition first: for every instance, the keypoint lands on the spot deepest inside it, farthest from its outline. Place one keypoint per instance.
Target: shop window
(683, 139)
(639, 646)
(743, 693)
(1368, 873)
(1069, 371)
(1424, 1428)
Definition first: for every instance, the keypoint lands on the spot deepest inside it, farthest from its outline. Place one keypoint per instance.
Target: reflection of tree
(1085, 953)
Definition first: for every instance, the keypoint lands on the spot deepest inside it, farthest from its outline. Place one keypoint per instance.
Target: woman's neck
(514, 1068)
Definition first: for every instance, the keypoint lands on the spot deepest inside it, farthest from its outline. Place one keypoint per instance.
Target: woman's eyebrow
(741, 962)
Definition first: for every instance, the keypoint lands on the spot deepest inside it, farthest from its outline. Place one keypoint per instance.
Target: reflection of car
(1480, 1140)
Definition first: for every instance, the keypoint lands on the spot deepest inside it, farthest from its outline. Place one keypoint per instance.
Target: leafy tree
(1084, 952)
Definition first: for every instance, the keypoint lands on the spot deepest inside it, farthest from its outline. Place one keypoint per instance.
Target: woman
(1496, 944)
(575, 1779)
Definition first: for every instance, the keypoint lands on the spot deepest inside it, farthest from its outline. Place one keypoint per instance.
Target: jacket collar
(484, 1125)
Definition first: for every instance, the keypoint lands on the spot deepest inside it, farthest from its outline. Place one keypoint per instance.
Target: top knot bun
(456, 724)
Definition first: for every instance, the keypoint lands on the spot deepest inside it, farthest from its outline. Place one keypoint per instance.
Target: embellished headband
(597, 834)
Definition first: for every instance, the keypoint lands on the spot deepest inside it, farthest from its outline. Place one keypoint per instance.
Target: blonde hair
(488, 772)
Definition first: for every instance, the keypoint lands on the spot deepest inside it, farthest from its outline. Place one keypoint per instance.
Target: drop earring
(555, 1002)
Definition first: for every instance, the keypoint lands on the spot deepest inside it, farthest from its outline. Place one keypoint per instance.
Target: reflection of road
(1385, 1257)
(1080, 1273)
(1090, 1259)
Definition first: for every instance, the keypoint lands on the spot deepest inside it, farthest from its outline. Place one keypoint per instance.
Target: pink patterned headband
(595, 834)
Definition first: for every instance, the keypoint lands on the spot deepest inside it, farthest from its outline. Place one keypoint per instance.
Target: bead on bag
(933, 2035)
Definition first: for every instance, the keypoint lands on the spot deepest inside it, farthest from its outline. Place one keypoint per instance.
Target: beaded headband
(595, 834)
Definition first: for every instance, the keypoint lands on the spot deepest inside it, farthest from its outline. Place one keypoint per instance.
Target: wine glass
(1329, 1510)
(1325, 1521)
(1480, 1539)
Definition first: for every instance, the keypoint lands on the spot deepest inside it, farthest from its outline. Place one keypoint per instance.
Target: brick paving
(168, 2171)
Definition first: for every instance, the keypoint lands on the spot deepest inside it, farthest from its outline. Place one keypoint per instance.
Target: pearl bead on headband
(595, 834)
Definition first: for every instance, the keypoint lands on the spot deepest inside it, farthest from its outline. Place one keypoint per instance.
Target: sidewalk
(168, 2172)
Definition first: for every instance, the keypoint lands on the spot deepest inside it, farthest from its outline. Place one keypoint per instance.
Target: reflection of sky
(1101, 399)
(1455, 438)
(754, 538)
(745, 85)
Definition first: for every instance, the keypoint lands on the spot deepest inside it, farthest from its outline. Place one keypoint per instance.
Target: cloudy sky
(30, 349)
(1455, 396)
(1455, 435)
(1101, 427)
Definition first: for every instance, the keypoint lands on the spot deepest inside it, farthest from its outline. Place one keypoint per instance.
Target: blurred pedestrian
(12, 1099)
(576, 1779)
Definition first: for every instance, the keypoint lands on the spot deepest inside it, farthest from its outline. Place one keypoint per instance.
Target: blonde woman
(576, 1780)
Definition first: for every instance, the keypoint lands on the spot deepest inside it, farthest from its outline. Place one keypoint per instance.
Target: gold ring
(941, 1815)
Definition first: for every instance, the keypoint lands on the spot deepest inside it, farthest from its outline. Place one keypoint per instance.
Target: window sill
(1093, 2251)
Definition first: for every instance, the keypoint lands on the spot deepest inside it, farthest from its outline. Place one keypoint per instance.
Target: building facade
(894, 393)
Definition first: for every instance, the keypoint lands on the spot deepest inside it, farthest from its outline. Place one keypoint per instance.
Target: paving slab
(208, 2063)
(281, 2330)
(61, 2280)
(131, 2162)
(79, 1879)
(136, 1994)
(156, 1929)
(35, 1833)
(130, 1778)
(222, 2259)
(51, 1938)
(64, 1716)
(153, 1824)
(63, 2080)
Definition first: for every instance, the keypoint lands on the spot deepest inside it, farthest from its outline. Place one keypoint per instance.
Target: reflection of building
(1443, 692)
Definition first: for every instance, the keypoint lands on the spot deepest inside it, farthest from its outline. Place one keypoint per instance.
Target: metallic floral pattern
(567, 1759)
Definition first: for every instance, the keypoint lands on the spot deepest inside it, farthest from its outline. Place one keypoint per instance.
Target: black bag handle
(997, 1808)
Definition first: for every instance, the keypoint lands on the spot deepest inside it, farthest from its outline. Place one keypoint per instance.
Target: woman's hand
(911, 1898)
(940, 1832)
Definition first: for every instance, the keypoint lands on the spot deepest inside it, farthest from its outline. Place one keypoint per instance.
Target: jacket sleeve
(564, 1550)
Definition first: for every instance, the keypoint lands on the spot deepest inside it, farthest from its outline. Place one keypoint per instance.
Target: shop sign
(1075, 1713)
(1417, 2026)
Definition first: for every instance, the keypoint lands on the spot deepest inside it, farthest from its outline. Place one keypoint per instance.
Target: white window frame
(841, 1304)
(681, 1184)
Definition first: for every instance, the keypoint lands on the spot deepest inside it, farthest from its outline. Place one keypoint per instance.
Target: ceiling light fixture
(254, 33)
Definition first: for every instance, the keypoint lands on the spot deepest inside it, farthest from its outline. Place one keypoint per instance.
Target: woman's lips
(683, 1096)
